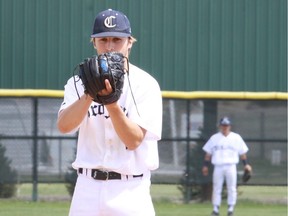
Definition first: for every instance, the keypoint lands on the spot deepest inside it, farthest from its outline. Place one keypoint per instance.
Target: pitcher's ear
(93, 40)
(130, 43)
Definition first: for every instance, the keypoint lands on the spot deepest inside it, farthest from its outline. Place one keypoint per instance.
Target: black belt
(105, 175)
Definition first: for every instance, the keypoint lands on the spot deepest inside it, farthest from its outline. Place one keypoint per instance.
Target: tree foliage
(8, 176)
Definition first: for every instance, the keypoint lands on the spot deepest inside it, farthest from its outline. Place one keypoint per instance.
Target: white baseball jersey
(99, 145)
(225, 149)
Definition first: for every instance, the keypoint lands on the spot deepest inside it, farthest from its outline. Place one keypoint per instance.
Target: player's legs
(130, 198)
(231, 182)
(218, 180)
(113, 197)
(86, 198)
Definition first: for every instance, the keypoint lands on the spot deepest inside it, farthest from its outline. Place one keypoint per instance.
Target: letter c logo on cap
(108, 22)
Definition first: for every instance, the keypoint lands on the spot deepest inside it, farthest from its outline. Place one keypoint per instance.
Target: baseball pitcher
(117, 109)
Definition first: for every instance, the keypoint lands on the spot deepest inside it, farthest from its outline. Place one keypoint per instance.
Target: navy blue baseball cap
(111, 23)
(225, 121)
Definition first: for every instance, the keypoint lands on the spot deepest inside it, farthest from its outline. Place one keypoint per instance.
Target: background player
(223, 150)
(117, 143)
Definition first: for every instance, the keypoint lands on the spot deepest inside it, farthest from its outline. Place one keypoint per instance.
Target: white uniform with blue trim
(99, 147)
(225, 152)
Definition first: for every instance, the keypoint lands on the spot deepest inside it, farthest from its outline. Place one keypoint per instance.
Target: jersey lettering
(222, 147)
(96, 110)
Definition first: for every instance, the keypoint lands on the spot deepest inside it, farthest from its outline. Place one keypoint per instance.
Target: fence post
(173, 132)
(60, 158)
(262, 135)
(209, 128)
(187, 190)
(35, 150)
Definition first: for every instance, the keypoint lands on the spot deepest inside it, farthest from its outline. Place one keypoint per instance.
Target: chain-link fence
(32, 141)
(188, 124)
(39, 153)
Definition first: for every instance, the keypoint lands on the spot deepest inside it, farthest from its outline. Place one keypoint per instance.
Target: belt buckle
(102, 172)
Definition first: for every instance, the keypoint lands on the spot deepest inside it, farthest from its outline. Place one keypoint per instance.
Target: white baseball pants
(223, 173)
(127, 197)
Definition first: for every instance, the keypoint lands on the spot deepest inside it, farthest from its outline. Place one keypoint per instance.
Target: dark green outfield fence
(188, 45)
(40, 154)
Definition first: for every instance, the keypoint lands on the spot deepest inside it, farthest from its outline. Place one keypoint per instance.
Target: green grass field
(54, 200)
(22, 208)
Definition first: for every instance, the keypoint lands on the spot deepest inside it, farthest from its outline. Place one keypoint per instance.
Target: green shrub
(8, 176)
(193, 185)
(70, 179)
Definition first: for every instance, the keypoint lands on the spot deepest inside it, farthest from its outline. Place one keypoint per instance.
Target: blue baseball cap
(111, 23)
(225, 121)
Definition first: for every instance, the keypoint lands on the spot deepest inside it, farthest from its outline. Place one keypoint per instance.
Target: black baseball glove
(94, 71)
(246, 176)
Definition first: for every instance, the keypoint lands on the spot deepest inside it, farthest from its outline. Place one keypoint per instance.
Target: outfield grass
(243, 209)
(255, 194)
(253, 201)
(24, 208)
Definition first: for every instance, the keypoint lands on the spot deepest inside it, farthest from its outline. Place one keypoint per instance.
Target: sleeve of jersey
(149, 105)
(243, 149)
(70, 94)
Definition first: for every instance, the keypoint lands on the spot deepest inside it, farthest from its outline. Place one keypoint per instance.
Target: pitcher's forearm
(129, 132)
(73, 115)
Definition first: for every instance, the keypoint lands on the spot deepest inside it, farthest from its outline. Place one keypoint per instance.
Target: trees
(8, 176)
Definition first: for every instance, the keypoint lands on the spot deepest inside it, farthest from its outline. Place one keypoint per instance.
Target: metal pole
(173, 132)
(188, 191)
(262, 135)
(60, 158)
(35, 150)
